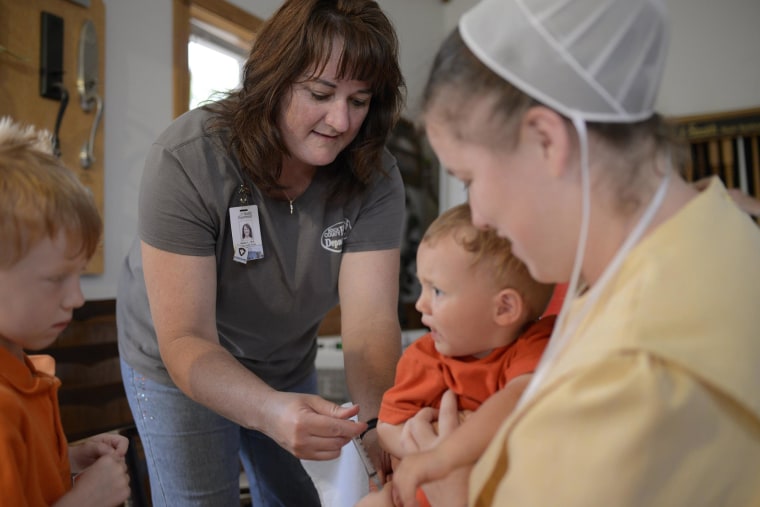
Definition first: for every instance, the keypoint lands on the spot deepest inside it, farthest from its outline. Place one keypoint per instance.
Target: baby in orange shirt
(486, 336)
(50, 228)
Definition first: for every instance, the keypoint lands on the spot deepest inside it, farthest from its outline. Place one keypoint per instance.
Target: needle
(368, 466)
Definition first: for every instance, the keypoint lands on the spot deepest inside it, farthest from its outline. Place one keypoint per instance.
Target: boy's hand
(88, 452)
(103, 484)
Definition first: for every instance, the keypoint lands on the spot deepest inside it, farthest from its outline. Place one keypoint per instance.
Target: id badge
(246, 233)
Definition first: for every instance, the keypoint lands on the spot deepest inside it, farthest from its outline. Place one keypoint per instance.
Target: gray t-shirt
(268, 310)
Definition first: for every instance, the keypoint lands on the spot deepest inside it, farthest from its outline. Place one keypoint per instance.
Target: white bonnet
(600, 60)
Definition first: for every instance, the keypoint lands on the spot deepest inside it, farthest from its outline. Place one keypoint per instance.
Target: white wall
(713, 63)
(138, 106)
(713, 66)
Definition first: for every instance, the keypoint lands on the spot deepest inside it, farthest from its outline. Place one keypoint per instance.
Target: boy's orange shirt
(34, 461)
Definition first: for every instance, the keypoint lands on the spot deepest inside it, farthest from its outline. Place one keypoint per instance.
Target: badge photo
(246, 233)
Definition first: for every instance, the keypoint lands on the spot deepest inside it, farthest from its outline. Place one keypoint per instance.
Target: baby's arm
(390, 438)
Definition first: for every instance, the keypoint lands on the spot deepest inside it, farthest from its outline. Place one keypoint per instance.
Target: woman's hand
(310, 427)
(420, 432)
(444, 486)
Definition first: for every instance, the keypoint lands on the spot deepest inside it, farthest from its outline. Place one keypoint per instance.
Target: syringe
(368, 466)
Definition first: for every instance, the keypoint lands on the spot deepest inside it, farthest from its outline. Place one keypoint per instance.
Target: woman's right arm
(182, 296)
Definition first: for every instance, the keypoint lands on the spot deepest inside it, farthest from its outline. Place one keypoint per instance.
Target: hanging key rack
(36, 89)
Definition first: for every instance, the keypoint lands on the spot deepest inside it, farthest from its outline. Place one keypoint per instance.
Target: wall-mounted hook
(58, 119)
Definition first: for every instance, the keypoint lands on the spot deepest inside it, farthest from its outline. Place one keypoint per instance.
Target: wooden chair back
(91, 397)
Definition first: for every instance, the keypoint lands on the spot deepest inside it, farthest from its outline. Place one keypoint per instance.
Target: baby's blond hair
(487, 247)
(39, 197)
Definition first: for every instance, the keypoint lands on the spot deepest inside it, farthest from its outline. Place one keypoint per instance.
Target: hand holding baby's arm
(465, 441)
(429, 462)
(399, 440)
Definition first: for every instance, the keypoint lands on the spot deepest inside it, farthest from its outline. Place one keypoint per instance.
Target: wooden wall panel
(19, 83)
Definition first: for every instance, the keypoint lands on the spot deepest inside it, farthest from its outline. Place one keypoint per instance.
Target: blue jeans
(194, 455)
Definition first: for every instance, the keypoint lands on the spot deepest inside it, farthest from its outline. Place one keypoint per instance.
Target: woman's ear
(550, 133)
(508, 307)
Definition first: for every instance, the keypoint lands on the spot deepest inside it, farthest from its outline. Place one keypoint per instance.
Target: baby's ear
(509, 307)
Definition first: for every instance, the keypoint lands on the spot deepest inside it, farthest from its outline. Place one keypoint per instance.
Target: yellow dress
(655, 400)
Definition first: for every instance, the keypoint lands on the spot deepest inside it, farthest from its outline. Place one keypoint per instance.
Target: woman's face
(322, 115)
(509, 187)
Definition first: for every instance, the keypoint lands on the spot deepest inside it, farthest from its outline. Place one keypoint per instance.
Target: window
(215, 63)
(211, 43)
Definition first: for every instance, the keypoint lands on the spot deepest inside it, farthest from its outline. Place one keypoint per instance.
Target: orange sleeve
(526, 352)
(555, 303)
(418, 383)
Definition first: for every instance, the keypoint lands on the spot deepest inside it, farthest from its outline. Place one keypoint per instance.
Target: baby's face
(38, 295)
(458, 300)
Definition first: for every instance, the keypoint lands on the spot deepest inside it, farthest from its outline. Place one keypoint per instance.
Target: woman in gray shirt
(217, 345)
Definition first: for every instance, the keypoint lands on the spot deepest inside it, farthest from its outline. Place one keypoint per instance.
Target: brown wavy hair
(297, 40)
(493, 252)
